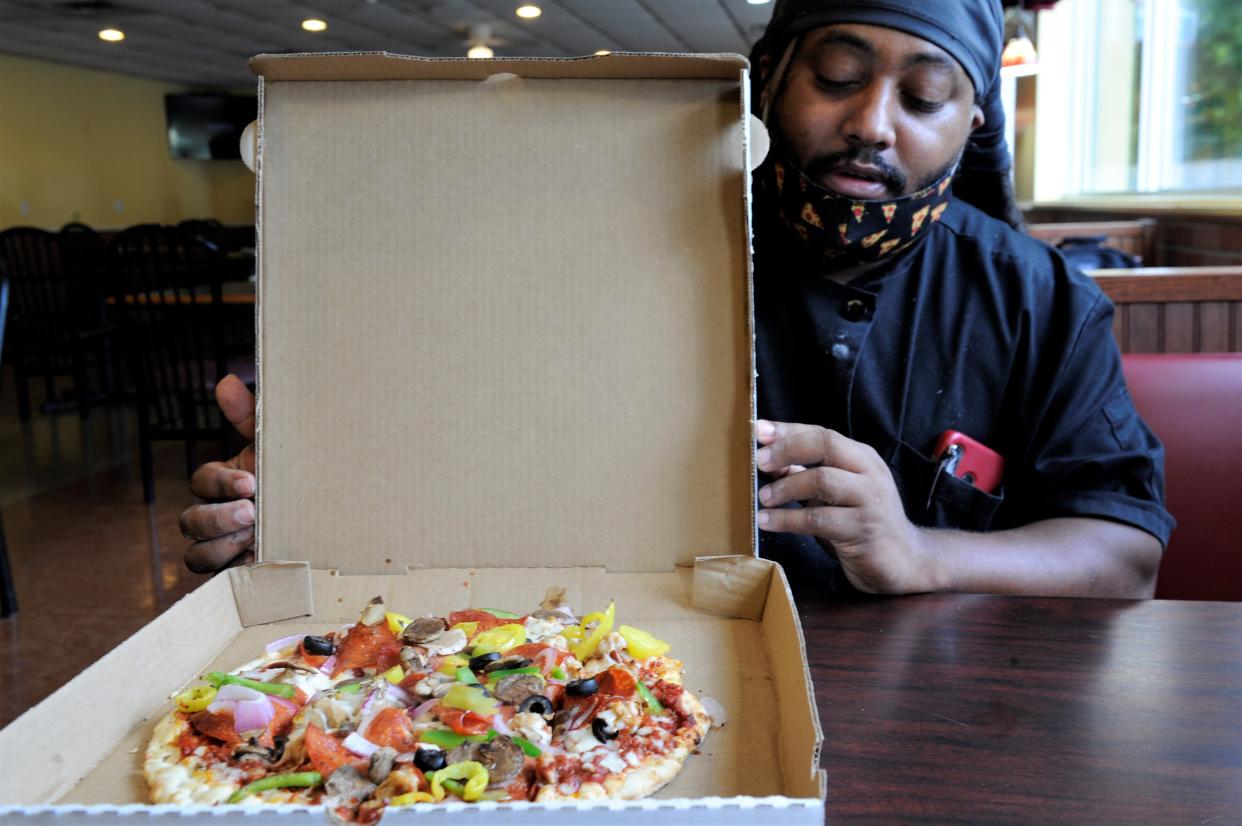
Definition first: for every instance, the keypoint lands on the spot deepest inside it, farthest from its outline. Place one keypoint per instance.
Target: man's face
(874, 113)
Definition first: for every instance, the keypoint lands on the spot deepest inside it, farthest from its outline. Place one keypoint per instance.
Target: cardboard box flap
(389, 66)
(504, 325)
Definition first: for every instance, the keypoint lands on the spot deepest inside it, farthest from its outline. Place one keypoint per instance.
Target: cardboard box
(504, 343)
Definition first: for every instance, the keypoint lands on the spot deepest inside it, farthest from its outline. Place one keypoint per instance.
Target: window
(1139, 96)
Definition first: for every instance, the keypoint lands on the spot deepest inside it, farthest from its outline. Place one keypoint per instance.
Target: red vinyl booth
(1193, 402)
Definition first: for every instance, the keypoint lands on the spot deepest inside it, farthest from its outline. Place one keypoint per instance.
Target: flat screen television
(207, 126)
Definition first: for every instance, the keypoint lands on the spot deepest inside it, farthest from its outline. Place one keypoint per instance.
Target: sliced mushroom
(290, 667)
(450, 642)
(373, 614)
(502, 758)
(415, 658)
(506, 664)
(268, 755)
(517, 687)
(424, 629)
(462, 753)
(381, 764)
(553, 598)
(349, 786)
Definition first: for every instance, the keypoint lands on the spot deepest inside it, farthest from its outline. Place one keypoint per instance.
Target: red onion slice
(288, 705)
(415, 713)
(498, 723)
(328, 665)
(546, 660)
(237, 693)
(399, 694)
(249, 715)
(283, 643)
(714, 710)
(359, 745)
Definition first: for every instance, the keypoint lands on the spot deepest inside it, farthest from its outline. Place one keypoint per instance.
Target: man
(889, 312)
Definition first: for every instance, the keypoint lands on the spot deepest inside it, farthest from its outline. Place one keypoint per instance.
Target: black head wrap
(971, 31)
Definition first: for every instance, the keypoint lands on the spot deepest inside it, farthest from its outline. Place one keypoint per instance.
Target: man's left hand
(850, 504)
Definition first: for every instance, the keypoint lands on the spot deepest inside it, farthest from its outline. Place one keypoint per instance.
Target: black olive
(582, 688)
(537, 704)
(429, 760)
(480, 662)
(319, 646)
(503, 665)
(600, 729)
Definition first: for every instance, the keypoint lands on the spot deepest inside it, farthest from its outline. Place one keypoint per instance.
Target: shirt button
(854, 310)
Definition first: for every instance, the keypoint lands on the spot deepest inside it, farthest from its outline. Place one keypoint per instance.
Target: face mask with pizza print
(845, 231)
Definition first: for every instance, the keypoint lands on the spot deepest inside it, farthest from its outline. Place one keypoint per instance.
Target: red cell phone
(970, 461)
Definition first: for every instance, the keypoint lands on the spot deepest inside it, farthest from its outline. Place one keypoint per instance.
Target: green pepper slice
(558, 673)
(650, 699)
(493, 676)
(465, 675)
(277, 781)
(527, 746)
(451, 739)
(499, 614)
(219, 678)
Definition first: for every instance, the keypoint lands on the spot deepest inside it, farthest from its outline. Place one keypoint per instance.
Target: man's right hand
(222, 527)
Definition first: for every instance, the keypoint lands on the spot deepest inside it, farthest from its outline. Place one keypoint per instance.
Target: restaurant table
(231, 292)
(977, 709)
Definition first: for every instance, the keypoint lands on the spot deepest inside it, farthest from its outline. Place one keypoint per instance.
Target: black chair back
(8, 593)
(166, 286)
(46, 301)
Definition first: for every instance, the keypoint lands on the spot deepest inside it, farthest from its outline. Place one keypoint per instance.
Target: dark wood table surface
(974, 709)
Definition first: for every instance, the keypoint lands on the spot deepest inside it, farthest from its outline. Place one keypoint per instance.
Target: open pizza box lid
(505, 343)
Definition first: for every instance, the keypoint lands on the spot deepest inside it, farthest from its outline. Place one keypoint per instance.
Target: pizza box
(505, 343)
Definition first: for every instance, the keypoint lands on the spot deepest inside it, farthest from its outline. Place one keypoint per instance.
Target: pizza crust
(650, 775)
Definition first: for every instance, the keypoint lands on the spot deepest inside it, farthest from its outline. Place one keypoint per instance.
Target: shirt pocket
(940, 500)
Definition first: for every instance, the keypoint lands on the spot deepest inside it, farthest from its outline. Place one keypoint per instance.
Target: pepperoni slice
(391, 727)
(218, 725)
(485, 620)
(463, 722)
(616, 682)
(367, 646)
(327, 754)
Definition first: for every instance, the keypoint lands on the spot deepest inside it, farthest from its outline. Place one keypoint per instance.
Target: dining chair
(57, 325)
(166, 286)
(8, 593)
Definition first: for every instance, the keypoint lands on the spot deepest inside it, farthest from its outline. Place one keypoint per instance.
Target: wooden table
(231, 292)
(971, 709)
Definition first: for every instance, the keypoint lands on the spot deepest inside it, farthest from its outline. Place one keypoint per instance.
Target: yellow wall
(76, 144)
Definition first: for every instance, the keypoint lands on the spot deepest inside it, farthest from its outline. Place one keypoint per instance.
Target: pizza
(392, 711)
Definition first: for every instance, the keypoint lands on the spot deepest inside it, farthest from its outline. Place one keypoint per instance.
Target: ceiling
(205, 43)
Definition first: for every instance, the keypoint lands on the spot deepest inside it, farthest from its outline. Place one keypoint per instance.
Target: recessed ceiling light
(757, 2)
(530, 11)
(480, 52)
(112, 35)
(602, 52)
(314, 25)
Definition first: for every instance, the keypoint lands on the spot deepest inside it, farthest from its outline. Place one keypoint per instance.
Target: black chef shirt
(979, 329)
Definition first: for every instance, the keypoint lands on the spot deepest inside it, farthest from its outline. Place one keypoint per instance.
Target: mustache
(891, 177)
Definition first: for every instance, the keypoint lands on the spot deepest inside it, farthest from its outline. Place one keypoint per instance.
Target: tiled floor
(92, 563)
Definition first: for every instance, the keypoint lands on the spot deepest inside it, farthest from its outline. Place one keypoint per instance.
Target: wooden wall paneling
(1180, 331)
(1214, 327)
(1144, 330)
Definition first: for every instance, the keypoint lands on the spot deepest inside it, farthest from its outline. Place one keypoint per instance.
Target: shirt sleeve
(1090, 453)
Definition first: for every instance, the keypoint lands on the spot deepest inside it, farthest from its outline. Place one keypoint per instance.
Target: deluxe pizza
(392, 711)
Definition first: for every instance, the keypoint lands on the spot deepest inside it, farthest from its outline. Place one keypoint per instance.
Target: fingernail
(762, 519)
(765, 493)
(762, 457)
(244, 486)
(246, 515)
(764, 430)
